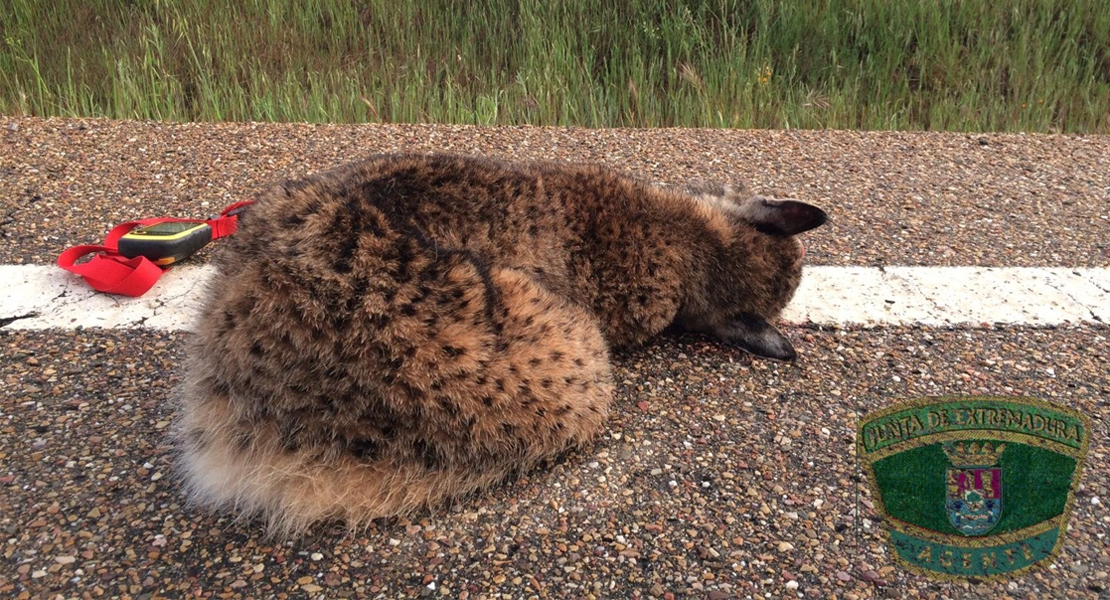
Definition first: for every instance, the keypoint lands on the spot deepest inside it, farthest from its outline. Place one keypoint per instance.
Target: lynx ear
(755, 335)
(781, 217)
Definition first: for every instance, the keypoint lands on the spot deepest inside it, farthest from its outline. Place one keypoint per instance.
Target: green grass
(1002, 65)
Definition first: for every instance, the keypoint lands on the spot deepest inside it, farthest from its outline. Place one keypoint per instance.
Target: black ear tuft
(782, 217)
(755, 335)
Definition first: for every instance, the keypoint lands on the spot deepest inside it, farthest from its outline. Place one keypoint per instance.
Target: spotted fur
(408, 329)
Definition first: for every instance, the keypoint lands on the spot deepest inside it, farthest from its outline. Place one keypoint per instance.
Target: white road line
(45, 297)
(951, 296)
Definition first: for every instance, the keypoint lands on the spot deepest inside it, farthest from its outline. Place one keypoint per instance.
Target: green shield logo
(974, 486)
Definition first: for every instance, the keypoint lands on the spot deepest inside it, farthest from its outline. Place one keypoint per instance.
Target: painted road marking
(950, 296)
(46, 297)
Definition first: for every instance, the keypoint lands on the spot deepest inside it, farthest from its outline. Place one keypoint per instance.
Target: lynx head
(757, 267)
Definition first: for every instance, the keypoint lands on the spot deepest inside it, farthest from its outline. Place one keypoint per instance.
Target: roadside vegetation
(1006, 65)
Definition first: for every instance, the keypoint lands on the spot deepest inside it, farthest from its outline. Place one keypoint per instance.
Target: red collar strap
(110, 272)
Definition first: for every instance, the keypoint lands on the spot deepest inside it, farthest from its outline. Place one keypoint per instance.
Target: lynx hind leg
(541, 387)
(556, 370)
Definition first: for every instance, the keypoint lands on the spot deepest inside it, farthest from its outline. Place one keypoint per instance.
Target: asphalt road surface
(719, 477)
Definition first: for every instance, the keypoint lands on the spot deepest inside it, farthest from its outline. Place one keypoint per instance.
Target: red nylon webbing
(113, 273)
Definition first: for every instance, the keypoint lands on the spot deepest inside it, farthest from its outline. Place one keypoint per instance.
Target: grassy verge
(1029, 65)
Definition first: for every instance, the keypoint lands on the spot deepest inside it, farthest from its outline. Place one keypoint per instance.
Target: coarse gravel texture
(720, 477)
(894, 198)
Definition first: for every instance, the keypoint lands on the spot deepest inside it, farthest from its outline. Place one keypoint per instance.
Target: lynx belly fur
(408, 329)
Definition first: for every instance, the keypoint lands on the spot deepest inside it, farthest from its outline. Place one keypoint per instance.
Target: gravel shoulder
(720, 477)
(894, 198)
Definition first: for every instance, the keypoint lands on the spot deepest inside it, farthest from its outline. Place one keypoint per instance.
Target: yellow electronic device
(165, 243)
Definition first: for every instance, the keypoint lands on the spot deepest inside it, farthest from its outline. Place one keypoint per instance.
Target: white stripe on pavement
(941, 296)
(46, 297)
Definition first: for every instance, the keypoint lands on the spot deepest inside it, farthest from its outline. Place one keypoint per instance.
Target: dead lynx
(407, 329)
